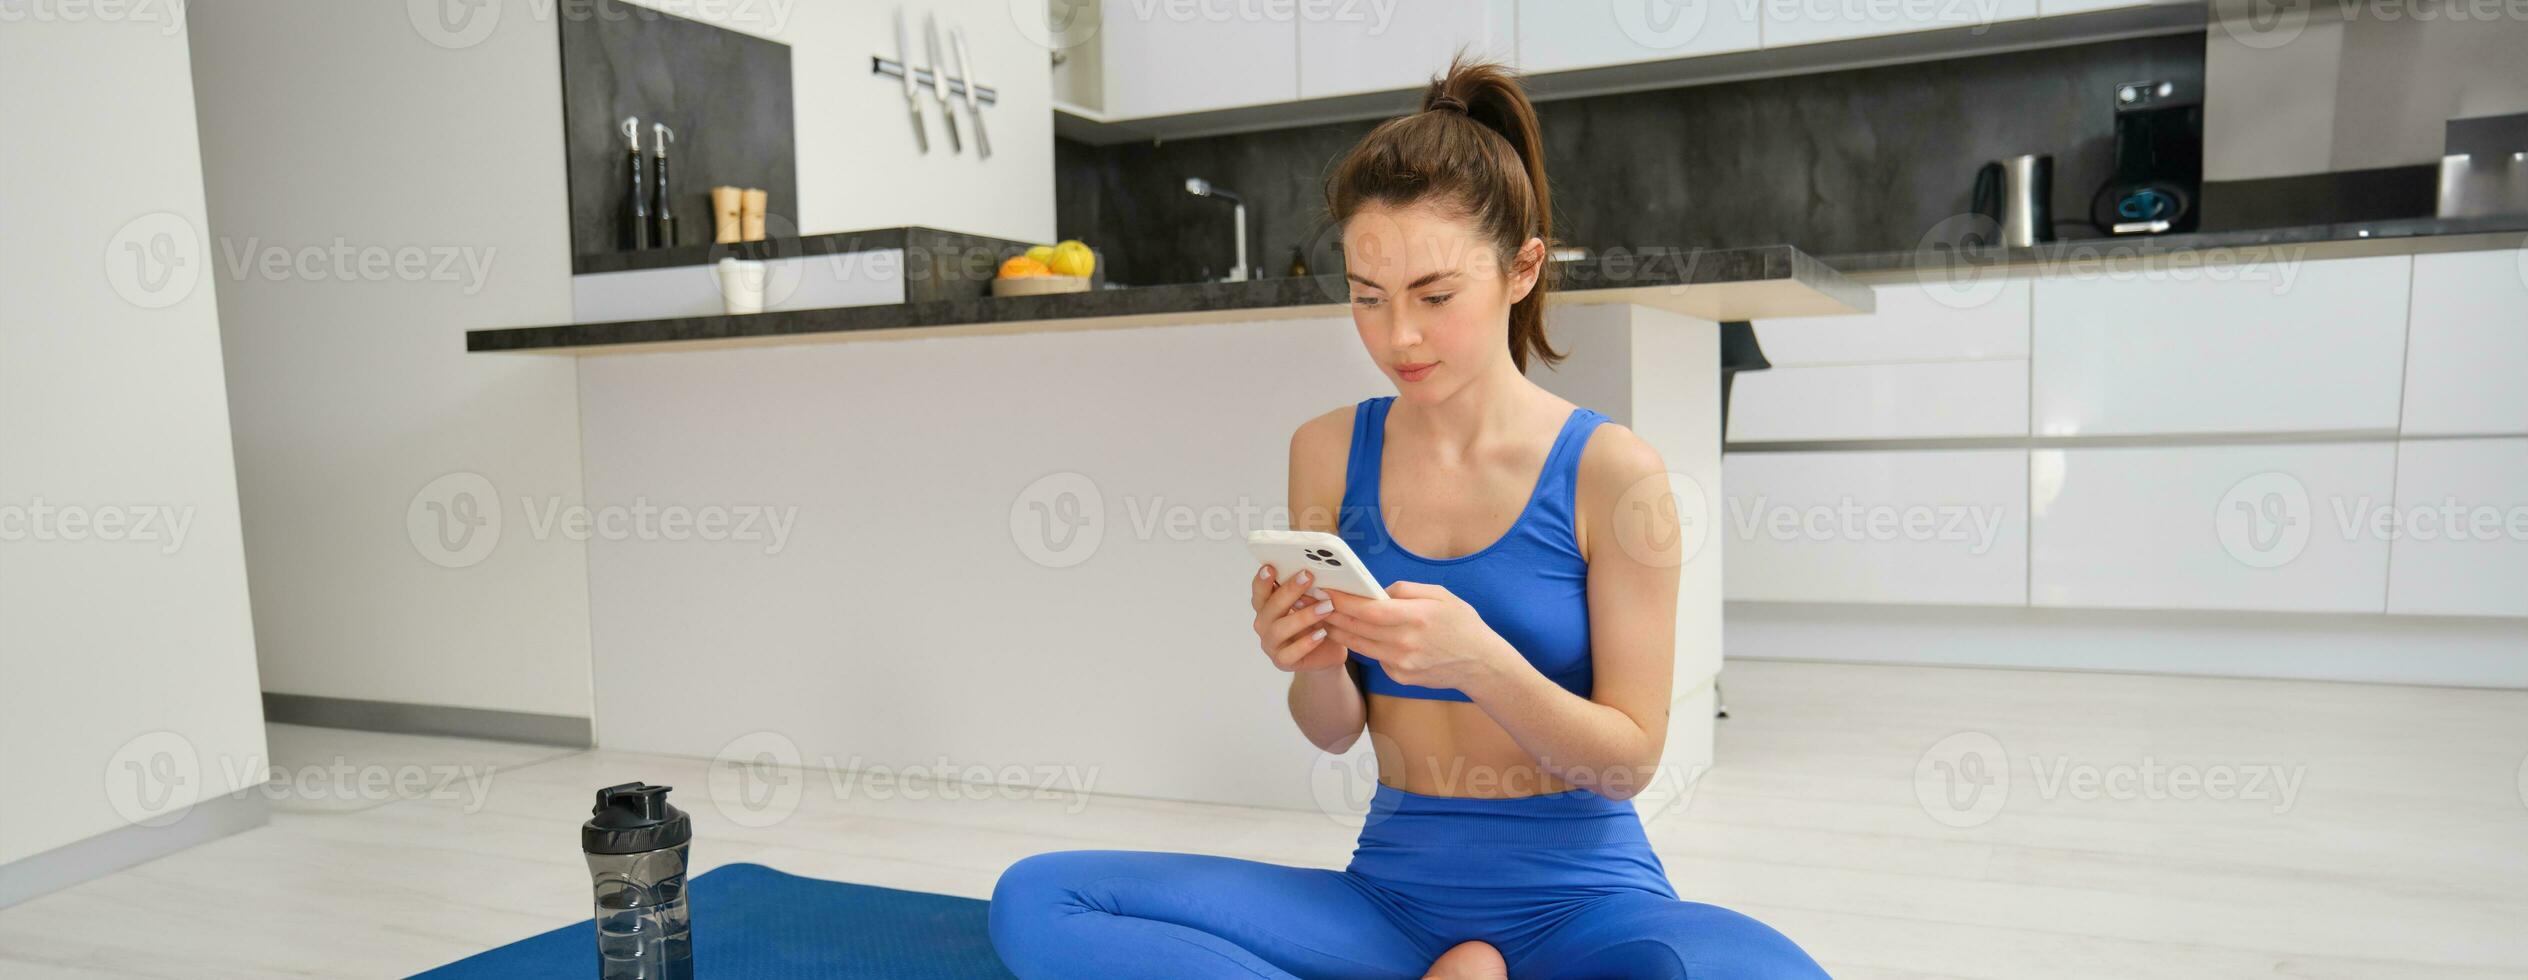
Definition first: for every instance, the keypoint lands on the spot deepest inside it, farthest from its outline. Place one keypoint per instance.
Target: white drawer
(2276, 347)
(2461, 539)
(1883, 527)
(2210, 527)
(1881, 401)
(2466, 354)
(1911, 323)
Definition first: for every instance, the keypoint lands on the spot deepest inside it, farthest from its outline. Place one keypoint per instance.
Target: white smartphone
(1319, 552)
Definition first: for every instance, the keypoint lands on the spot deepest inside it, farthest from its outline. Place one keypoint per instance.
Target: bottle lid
(632, 818)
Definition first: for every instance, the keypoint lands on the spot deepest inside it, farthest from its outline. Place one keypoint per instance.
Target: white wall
(120, 642)
(921, 606)
(858, 165)
(353, 395)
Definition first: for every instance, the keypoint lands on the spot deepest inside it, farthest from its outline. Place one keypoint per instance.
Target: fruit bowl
(1039, 285)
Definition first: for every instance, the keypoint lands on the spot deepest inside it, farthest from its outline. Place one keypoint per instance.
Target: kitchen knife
(939, 84)
(912, 94)
(974, 103)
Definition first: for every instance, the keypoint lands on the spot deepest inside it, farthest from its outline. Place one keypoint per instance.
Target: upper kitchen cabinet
(1791, 22)
(1556, 35)
(1346, 48)
(1162, 58)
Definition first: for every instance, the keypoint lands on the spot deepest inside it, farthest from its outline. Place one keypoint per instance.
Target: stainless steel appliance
(2018, 195)
(2484, 167)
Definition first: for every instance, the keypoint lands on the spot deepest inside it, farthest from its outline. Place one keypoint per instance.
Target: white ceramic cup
(741, 285)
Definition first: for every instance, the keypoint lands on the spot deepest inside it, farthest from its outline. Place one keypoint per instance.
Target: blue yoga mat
(751, 922)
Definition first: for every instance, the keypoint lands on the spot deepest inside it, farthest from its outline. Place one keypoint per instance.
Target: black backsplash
(1850, 161)
(725, 94)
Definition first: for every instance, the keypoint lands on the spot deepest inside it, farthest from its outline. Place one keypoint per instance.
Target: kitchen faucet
(1203, 188)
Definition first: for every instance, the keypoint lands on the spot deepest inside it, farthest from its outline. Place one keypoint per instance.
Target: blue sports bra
(1531, 586)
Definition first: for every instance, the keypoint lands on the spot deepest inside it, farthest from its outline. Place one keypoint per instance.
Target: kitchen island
(1075, 475)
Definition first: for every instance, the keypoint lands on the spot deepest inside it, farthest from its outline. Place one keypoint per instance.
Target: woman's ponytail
(1475, 144)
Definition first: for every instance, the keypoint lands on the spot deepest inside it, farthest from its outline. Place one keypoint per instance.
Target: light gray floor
(2401, 851)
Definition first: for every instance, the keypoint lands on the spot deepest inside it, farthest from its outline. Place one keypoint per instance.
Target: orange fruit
(1021, 267)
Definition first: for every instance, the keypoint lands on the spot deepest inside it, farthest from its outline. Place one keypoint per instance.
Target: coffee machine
(2157, 183)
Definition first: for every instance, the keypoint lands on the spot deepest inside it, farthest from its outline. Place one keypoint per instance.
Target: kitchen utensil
(939, 84)
(662, 214)
(974, 102)
(912, 92)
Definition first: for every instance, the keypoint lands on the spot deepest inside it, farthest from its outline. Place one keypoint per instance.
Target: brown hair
(1475, 147)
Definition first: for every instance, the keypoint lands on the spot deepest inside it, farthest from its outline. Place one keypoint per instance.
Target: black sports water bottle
(636, 846)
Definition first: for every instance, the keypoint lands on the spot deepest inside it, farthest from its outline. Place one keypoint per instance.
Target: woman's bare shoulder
(1320, 451)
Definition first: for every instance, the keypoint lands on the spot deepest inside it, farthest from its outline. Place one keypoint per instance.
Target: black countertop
(1671, 278)
(2403, 234)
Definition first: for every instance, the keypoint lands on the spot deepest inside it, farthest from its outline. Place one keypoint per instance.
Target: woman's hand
(1290, 624)
(1423, 635)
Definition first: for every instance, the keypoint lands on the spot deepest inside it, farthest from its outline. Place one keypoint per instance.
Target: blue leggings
(1564, 885)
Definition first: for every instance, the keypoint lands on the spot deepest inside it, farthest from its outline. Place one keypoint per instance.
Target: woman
(1515, 685)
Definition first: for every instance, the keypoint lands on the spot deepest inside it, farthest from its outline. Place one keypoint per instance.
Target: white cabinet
(1878, 527)
(1556, 35)
(1985, 321)
(2276, 346)
(2460, 528)
(1163, 57)
(2466, 356)
(1789, 22)
(1954, 399)
(2209, 527)
(1351, 47)
(1929, 362)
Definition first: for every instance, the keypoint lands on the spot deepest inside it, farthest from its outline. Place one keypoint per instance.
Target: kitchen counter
(2402, 236)
(1711, 284)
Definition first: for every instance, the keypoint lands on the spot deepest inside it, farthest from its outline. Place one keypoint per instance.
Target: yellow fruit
(1073, 258)
(1041, 253)
(1021, 267)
